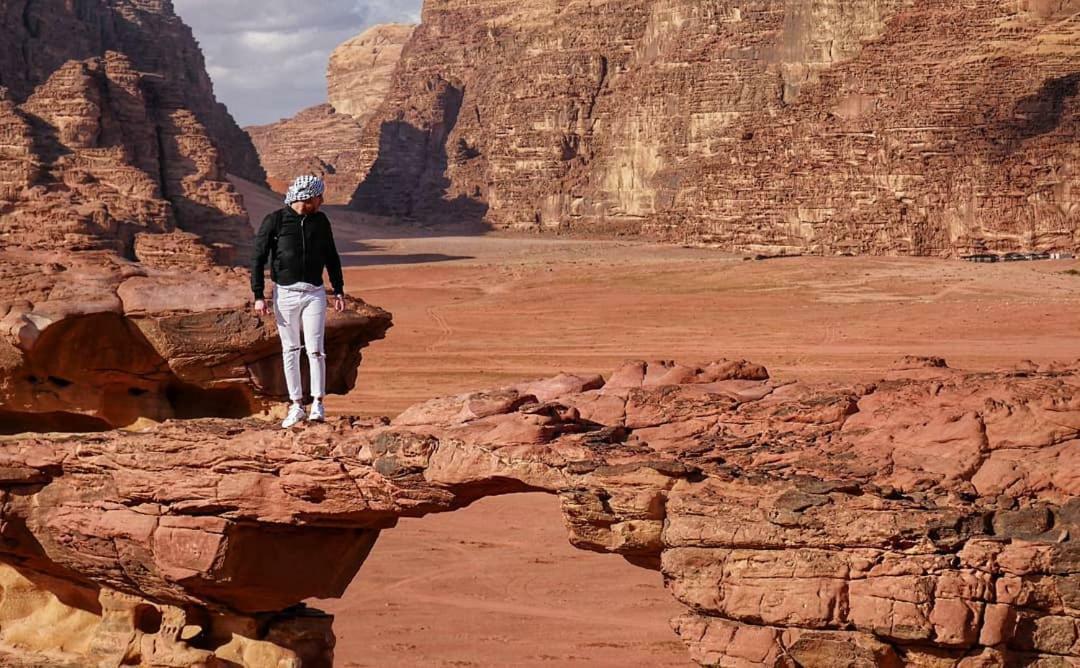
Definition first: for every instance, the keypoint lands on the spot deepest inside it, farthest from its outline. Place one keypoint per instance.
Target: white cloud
(270, 42)
(268, 58)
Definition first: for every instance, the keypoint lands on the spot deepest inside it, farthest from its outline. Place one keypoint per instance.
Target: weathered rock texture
(362, 68)
(109, 128)
(876, 126)
(318, 141)
(39, 36)
(90, 341)
(117, 228)
(929, 519)
(326, 139)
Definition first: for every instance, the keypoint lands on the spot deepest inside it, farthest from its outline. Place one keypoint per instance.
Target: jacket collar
(292, 215)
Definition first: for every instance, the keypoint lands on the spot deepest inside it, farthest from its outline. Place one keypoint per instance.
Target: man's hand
(261, 308)
(339, 303)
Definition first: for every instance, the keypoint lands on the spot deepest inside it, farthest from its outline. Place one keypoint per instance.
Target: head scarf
(304, 187)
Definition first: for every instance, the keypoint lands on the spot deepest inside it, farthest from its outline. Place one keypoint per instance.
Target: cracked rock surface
(927, 519)
(90, 341)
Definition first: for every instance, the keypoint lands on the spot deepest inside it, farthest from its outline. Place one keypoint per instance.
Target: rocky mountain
(927, 519)
(317, 140)
(325, 139)
(119, 232)
(111, 130)
(42, 35)
(877, 126)
(362, 68)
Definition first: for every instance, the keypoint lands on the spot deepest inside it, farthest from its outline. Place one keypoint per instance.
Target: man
(300, 244)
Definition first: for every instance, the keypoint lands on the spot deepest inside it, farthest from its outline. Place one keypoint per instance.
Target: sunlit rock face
(876, 126)
(926, 519)
(326, 139)
(120, 236)
(90, 340)
(361, 69)
(110, 129)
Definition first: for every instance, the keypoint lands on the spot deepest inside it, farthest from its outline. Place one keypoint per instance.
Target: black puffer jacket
(299, 248)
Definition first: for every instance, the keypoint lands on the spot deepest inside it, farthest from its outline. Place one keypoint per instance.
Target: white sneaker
(296, 415)
(318, 413)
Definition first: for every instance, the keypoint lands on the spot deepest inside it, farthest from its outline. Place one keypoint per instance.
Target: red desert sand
(496, 584)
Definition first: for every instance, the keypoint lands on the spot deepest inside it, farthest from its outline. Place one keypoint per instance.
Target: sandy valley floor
(497, 584)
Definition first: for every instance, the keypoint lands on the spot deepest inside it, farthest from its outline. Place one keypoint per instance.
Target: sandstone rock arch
(926, 517)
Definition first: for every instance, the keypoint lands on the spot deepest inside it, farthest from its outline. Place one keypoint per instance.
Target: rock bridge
(929, 518)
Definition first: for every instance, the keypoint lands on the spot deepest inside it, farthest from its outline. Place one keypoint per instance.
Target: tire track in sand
(445, 330)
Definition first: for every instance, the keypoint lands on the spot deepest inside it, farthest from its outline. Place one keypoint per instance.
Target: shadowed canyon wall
(41, 35)
(110, 128)
(875, 126)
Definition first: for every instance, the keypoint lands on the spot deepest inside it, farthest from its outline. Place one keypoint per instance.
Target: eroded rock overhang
(928, 517)
(91, 341)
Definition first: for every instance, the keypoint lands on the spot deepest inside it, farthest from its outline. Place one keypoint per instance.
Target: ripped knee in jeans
(316, 353)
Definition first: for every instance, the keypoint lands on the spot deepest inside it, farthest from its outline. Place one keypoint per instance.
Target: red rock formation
(90, 341)
(927, 519)
(39, 36)
(117, 227)
(102, 149)
(325, 139)
(316, 141)
(926, 127)
(361, 69)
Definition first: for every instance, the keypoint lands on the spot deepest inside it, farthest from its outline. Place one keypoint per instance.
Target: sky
(268, 58)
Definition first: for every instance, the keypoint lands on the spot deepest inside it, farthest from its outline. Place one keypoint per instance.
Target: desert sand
(476, 310)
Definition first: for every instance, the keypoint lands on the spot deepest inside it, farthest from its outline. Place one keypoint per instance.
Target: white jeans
(302, 306)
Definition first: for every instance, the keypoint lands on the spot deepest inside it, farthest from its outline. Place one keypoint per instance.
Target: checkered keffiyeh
(304, 187)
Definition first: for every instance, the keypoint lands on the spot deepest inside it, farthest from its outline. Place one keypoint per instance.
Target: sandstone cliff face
(876, 126)
(39, 36)
(111, 130)
(928, 519)
(325, 139)
(119, 230)
(318, 141)
(362, 68)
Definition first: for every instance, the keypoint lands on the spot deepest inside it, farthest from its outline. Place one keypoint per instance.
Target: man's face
(309, 206)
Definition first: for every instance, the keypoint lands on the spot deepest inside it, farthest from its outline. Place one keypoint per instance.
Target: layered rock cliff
(361, 69)
(119, 231)
(325, 139)
(318, 141)
(927, 519)
(91, 341)
(39, 36)
(878, 126)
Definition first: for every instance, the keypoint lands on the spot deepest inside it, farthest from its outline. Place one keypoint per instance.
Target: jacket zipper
(303, 249)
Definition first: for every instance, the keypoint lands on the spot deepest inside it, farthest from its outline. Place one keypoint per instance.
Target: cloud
(268, 58)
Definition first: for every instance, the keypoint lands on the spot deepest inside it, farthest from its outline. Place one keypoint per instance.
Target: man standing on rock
(300, 244)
